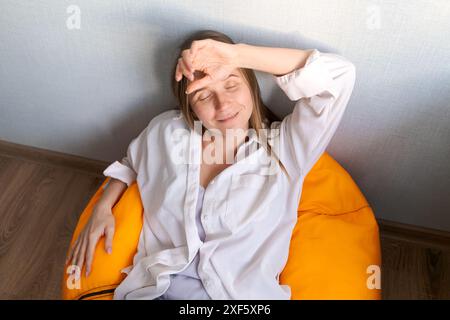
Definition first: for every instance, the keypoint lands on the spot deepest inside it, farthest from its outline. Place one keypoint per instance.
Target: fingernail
(109, 250)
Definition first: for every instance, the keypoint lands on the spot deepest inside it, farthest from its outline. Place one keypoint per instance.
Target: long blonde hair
(260, 112)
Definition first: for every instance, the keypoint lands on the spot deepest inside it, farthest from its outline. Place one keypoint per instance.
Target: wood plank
(410, 271)
(38, 213)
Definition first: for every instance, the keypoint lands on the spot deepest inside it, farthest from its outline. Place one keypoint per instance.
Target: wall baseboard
(90, 166)
(414, 234)
(388, 229)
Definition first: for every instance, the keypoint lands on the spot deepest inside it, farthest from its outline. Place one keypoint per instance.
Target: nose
(222, 102)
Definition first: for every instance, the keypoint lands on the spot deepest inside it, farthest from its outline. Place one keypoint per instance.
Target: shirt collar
(252, 138)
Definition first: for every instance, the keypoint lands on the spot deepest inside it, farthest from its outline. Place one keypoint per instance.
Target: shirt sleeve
(321, 89)
(127, 169)
(122, 171)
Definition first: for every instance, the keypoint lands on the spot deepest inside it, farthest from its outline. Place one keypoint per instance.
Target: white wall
(89, 91)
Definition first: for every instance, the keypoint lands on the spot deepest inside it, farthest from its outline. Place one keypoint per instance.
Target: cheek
(204, 112)
(243, 97)
(248, 103)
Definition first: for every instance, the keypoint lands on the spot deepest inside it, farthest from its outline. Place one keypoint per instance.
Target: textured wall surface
(89, 90)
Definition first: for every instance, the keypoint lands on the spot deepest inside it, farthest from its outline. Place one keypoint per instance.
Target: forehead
(198, 75)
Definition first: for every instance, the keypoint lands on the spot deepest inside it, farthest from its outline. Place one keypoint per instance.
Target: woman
(220, 180)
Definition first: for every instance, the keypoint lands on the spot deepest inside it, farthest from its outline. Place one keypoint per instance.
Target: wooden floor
(41, 200)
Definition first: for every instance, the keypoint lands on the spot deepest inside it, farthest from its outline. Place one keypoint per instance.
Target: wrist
(238, 60)
(104, 205)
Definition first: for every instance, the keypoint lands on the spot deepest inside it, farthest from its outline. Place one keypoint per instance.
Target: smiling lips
(229, 117)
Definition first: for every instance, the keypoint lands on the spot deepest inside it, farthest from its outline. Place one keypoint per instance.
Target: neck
(223, 148)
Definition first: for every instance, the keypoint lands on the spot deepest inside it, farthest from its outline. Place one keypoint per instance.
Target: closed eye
(207, 97)
(202, 99)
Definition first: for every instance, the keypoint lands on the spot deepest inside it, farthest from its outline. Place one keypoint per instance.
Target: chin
(232, 123)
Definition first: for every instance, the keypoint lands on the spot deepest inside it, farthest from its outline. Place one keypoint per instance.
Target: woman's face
(224, 104)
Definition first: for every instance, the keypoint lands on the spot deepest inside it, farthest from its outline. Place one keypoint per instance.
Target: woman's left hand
(215, 59)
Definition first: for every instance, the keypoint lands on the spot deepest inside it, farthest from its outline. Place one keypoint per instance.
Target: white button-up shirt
(249, 211)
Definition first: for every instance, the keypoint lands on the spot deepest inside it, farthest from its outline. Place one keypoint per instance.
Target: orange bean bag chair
(334, 251)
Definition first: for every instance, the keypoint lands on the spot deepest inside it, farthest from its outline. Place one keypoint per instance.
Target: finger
(76, 250)
(81, 254)
(92, 243)
(179, 69)
(71, 251)
(109, 234)
(185, 71)
(178, 74)
(187, 59)
(198, 84)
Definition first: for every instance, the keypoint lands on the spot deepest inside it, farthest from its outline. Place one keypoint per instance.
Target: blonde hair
(260, 112)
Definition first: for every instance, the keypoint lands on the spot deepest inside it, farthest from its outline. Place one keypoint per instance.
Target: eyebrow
(198, 90)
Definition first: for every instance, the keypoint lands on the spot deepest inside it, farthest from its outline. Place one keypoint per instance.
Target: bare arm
(112, 193)
(277, 61)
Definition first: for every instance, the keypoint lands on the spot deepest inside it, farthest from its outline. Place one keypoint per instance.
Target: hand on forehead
(194, 85)
(206, 61)
(201, 80)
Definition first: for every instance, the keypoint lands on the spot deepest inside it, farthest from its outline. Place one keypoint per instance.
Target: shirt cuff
(121, 172)
(310, 80)
(126, 270)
